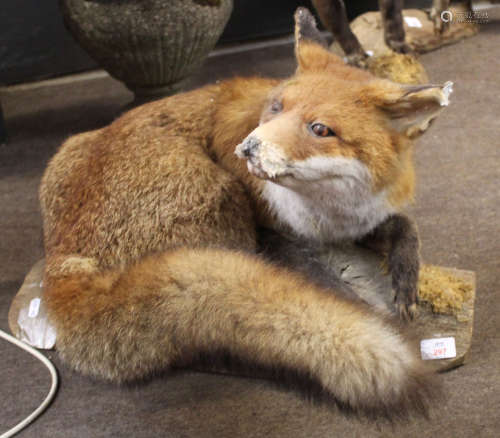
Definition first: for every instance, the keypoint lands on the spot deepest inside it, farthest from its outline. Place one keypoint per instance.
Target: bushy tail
(170, 309)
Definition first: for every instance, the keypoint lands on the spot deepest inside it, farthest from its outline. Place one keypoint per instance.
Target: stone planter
(150, 45)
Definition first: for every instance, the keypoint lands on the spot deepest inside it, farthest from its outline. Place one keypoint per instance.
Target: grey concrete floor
(457, 208)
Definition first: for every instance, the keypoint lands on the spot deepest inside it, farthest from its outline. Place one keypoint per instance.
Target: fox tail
(171, 309)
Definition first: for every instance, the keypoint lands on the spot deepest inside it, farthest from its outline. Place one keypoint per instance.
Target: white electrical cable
(50, 395)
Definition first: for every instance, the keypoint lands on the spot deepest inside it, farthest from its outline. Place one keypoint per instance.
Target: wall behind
(34, 43)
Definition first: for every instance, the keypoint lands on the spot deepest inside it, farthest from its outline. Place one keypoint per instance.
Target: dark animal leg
(334, 17)
(392, 18)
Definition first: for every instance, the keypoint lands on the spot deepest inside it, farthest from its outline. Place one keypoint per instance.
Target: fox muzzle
(248, 147)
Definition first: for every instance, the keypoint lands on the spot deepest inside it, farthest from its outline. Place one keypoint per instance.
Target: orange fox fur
(149, 224)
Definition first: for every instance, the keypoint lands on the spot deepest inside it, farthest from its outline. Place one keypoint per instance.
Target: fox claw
(406, 304)
(407, 312)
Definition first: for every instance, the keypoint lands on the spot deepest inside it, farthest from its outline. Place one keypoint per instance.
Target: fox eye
(276, 107)
(320, 130)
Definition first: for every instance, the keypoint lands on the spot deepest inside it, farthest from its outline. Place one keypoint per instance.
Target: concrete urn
(150, 45)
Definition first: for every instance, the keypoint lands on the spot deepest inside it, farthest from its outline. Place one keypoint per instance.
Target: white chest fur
(328, 199)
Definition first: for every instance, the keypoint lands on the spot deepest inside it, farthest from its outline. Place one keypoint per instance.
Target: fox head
(338, 124)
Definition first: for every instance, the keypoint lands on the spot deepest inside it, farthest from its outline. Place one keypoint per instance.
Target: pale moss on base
(444, 292)
(397, 67)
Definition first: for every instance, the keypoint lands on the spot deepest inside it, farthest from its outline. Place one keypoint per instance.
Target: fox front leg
(397, 237)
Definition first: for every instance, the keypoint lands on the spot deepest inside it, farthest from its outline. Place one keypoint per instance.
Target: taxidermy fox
(150, 224)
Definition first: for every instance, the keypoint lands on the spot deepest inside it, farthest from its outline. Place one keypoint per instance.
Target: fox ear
(311, 49)
(411, 108)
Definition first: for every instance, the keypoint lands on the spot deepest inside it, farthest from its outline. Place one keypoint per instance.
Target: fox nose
(248, 147)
